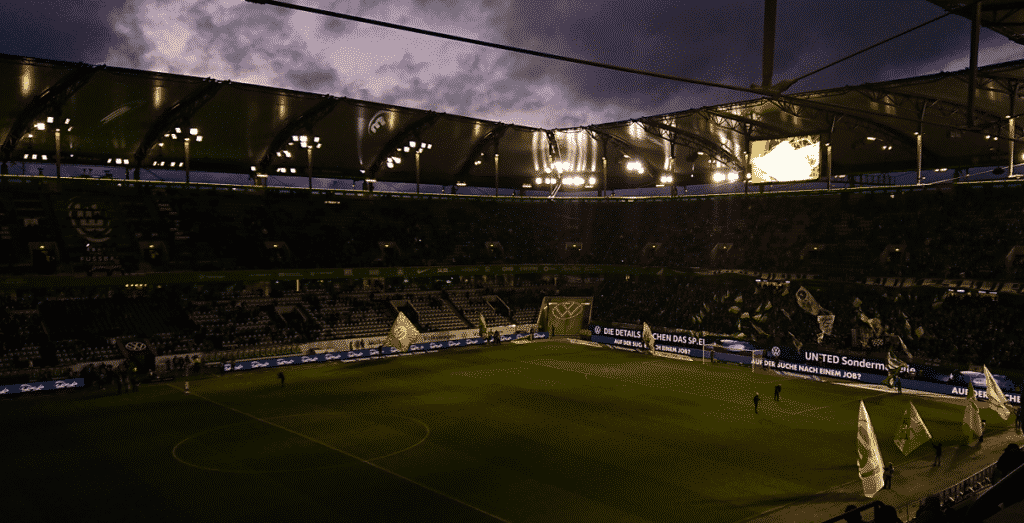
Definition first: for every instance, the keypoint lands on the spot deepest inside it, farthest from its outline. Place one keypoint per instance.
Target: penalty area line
(340, 451)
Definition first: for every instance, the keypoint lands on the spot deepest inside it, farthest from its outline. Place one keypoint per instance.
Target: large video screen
(791, 159)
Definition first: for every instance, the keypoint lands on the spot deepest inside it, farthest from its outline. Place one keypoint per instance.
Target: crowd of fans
(936, 326)
(968, 231)
(43, 333)
(948, 231)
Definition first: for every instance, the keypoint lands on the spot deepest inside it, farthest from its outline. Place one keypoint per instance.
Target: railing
(974, 484)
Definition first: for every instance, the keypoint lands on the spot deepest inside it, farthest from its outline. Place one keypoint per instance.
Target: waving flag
(483, 326)
(648, 337)
(971, 426)
(403, 333)
(912, 432)
(996, 399)
(903, 346)
(869, 459)
(893, 364)
(807, 302)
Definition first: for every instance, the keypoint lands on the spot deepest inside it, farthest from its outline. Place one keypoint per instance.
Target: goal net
(563, 315)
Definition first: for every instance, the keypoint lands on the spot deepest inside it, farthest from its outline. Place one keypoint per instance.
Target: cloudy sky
(717, 41)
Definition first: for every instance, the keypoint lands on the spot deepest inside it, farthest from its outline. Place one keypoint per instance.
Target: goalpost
(564, 315)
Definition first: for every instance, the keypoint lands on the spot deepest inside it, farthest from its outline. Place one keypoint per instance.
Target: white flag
(807, 302)
(996, 399)
(648, 337)
(971, 426)
(869, 459)
(912, 432)
(403, 333)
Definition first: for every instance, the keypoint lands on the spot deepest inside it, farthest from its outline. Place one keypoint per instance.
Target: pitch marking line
(543, 363)
(340, 451)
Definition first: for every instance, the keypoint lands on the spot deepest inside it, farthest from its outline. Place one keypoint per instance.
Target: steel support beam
(299, 125)
(50, 100)
(973, 73)
(694, 141)
(478, 150)
(768, 45)
(400, 139)
(176, 115)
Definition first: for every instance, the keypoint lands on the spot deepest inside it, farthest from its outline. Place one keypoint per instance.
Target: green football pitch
(538, 432)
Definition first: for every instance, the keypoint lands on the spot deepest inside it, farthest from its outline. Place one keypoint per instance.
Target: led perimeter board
(791, 159)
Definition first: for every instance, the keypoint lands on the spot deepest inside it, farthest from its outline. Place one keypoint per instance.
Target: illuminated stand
(414, 147)
(305, 142)
(193, 134)
(53, 124)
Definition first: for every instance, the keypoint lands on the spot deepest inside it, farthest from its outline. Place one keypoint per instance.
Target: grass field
(543, 432)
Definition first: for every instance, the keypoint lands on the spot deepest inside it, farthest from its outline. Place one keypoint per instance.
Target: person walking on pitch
(778, 391)
(938, 454)
(280, 376)
(757, 398)
(887, 476)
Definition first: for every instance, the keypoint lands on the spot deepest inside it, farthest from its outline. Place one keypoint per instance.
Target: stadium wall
(774, 359)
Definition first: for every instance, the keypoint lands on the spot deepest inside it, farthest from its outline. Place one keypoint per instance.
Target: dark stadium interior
(135, 276)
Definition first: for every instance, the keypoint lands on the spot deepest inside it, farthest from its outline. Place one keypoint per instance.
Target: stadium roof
(124, 114)
(1005, 17)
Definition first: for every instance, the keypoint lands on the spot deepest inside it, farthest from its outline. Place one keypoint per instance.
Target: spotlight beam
(663, 76)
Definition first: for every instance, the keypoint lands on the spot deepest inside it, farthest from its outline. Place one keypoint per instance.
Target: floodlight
(177, 130)
(49, 119)
(733, 176)
(41, 126)
(718, 177)
(193, 131)
(174, 136)
(45, 158)
(592, 181)
(460, 184)
(538, 180)
(199, 138)
(67, 121)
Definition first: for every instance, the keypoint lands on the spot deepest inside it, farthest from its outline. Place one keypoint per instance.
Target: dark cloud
(406, 66)
(716, 41)
(721, 42)
(247, 40)
(71, 30)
